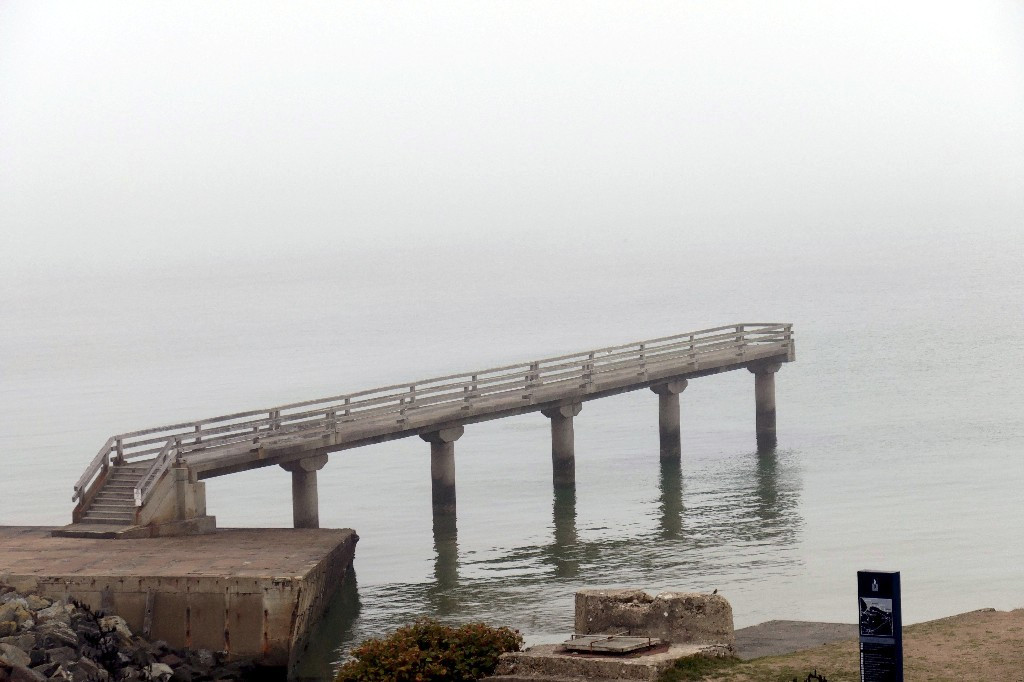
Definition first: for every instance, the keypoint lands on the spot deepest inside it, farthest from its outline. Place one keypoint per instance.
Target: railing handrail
(329, 413)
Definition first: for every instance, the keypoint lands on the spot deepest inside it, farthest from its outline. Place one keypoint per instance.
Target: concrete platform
(253, 592)
(552, 663)
(777, 637)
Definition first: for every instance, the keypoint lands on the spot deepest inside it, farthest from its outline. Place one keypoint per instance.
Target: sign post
(881, 626)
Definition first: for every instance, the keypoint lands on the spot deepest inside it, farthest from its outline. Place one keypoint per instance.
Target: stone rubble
(41, 639)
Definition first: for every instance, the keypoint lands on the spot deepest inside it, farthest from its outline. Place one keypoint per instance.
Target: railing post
(693, 350)
(331, 423)
(199, 435)
(347, 403)
(120, 452)
(588, 371)
(177, 449)
(531, 380)
(740, 338)
(643, 360)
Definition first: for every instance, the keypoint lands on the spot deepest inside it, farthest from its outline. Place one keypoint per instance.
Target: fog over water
(209, 208)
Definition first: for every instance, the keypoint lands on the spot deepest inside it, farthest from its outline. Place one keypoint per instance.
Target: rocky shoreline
(42, 639)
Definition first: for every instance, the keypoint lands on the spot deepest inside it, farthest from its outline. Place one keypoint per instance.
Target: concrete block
(678, 617)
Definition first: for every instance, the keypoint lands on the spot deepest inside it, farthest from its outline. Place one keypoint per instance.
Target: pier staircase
(114, 503)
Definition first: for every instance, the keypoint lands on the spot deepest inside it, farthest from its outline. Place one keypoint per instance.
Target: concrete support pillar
(181, 492)
(668, 417)
(305, 502)
(442, 468)
(563, 449)
(764, 400)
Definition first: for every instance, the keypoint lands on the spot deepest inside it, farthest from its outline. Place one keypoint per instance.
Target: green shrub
(428, 651)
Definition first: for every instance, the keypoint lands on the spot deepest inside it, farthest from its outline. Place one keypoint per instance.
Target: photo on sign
(875, 617)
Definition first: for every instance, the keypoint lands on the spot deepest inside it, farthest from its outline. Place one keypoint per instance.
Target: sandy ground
(979, 645)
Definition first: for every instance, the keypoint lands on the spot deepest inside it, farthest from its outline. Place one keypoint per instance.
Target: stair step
(108, 507)
(108, 517)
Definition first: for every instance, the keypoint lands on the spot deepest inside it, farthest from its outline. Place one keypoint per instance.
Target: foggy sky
(142, 132)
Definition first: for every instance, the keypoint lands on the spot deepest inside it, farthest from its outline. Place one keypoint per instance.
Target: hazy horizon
(247, 132)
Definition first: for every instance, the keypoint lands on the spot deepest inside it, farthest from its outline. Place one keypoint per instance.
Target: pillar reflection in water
(446, 564)
(671, 503)
(767, 486)
(564, 550)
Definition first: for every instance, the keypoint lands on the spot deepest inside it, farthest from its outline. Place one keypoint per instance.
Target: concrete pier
(668, 417)
(305, 501)
(253, 592)
(126, 491)
(442, 468)
(563, 448)
(764, 399)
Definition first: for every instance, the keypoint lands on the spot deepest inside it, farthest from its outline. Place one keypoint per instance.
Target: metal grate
(610, 644)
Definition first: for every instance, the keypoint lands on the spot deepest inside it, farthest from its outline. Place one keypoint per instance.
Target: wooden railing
(451, 394)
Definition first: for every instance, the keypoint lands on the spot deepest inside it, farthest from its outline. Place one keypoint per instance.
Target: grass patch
(697, 668)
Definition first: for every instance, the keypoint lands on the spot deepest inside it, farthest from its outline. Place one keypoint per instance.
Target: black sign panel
(881, 626)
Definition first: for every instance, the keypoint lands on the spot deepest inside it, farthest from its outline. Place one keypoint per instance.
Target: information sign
(881, 626)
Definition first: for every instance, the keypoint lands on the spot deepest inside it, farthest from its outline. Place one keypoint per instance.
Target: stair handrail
(100, 462)
(144, 488)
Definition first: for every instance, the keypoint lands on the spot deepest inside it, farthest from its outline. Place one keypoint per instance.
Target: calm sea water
(901, 425)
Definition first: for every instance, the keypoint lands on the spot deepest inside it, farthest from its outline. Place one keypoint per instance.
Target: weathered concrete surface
(250, 592)
(677, 617)
(550, 662)
(691, 623)
(777, 637)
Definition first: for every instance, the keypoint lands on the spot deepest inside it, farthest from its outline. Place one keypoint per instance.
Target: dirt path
(980, 645)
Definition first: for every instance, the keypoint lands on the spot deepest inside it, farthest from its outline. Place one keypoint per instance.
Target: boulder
(86, 670)
(25, 641)
(202, 658)
(54, 634)
(55, 611)
(159, 671)
(182, 674)
(13, 656)
(16, 611)
(118, 624)
(62, 655)
(20, 673)
(8, 628)
(35, 602)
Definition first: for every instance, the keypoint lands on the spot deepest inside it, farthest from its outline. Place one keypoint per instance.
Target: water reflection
(718, 522)
(563, 551)
(671, 502)
(318, 660)
(442, 595)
